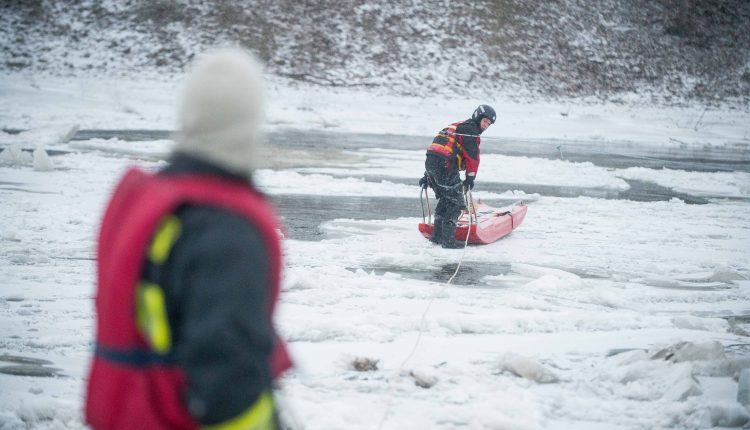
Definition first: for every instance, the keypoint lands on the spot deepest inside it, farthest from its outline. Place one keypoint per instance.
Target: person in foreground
(189, 267)
(455, 148)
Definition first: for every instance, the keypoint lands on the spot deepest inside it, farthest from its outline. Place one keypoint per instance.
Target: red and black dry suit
(455, 148)
(189, 267)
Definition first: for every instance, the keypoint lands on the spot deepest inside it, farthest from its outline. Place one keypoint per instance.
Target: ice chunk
(682, 389)
(729, 367)
(556, 277)
(15, 155)
(697, 323)
(424, 378)
(527, 368)
(729, 415)
(690, 351)
(711, 350)
(70, 134)
(743, 388)
(42, 161)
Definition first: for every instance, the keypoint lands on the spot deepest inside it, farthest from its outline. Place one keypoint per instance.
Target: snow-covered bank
(32, 102)
(665, 50)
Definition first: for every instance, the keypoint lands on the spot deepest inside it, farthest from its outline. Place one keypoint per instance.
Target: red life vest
(448, 145)
(130, 386)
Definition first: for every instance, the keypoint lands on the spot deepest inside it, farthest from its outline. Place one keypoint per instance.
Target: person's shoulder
(219, 224)
(468, 127)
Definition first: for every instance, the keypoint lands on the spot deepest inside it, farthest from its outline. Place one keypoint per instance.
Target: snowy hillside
(666, 51)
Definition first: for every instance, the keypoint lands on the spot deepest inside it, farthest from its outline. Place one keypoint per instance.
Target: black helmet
(484, 111)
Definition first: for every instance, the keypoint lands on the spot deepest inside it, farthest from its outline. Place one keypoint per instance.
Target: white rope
(470, 208)
(559, 146)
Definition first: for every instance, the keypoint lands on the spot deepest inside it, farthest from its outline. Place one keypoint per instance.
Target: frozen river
(565, 323)
(303, 213)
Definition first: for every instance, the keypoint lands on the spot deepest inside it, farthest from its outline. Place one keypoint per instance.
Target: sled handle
(470, 208)
(424, 196)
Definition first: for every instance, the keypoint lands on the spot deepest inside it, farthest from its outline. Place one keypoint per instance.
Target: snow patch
(528, 368)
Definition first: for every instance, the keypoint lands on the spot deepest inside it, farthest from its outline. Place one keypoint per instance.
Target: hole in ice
(27, 366)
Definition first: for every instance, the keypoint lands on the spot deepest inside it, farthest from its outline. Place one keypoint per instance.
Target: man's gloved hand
(424, 182)
(469, 182)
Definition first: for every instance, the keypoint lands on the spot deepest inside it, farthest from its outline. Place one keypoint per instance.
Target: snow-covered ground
(594, 314)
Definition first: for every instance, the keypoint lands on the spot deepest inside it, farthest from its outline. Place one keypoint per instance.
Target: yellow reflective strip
(166, 235)
(258, 417)
(151, 317)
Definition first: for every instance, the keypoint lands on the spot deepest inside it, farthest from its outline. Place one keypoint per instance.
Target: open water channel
(304, 213)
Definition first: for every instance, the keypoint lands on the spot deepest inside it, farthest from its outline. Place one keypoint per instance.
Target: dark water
(302, 214)
(26, 366)
(468, 275)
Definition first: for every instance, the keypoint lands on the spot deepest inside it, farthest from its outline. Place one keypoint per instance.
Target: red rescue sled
(484, 224)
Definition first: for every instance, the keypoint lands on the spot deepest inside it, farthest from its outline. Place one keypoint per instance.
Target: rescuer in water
(189, 264)
(455, 148)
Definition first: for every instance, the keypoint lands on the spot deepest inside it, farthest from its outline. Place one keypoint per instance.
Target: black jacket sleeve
(216, 286)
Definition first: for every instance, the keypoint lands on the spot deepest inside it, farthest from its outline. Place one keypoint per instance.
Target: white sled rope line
(290, 419)
(472, 213)
(559, 147)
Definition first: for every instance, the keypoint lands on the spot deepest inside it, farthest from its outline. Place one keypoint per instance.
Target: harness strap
(133, 357)
(447, 145)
